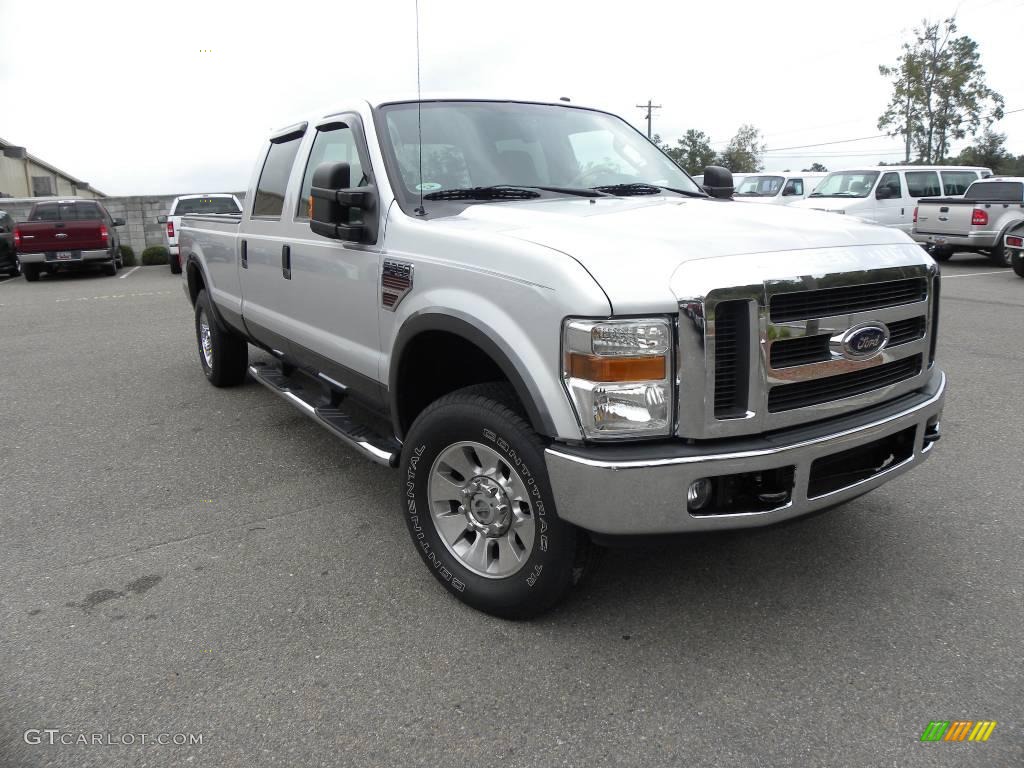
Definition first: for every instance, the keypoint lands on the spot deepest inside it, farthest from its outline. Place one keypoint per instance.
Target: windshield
(483, 144)
(848, 184)
(759, 186)
(206, 205)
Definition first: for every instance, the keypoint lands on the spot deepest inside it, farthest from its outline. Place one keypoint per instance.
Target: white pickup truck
(978, 222)
(558, 337)
(185, 204)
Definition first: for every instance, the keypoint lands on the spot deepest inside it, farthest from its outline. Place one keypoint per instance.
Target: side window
(794, 187)
(891, 181)
(957, 182)
(923, 184)
(274, 178)
(336, 144)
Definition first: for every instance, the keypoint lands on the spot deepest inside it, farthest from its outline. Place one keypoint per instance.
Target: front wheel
(480, 509)
(223, 355)
(1018, 263)
(999, 255)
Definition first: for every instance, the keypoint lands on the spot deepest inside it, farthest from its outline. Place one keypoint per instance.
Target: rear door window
(273, 181)
(957, 182)
(923, 184)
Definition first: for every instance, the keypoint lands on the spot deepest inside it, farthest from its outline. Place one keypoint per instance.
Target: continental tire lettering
(489, 435)
(532, 578)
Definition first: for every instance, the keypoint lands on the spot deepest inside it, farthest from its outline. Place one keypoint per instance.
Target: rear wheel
(30, 271)
(223, 355)
(480, 509)
(942, 253)
(173, 260)
(110, 269)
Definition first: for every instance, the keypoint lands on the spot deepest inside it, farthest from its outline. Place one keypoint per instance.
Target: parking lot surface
(178, 559)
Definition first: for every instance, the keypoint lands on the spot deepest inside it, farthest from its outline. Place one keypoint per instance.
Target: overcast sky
(125, 96)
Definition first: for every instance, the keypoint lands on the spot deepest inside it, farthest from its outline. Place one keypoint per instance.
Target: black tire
(110, 269)
(942, 254)
(173, 260)
(229, 352)
(999, 255)
(30, 271)
(1018, 263)
(489, 415)
(16, 269)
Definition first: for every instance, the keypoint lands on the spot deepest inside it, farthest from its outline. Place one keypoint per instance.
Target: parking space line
(977, 274)
(127, 274)
(7, 280)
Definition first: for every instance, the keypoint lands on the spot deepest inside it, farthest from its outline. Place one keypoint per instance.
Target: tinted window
(957, 182)
(274, 178)
(923, 184)
(1003, 191)
(794, 187)
(206, 205)
(66, 212)
(337, 145)
(892, 181)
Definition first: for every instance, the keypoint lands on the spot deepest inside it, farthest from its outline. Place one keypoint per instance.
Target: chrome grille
(761, 373)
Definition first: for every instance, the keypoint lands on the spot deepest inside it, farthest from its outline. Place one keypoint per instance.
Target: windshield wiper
(496, 192)
(643, 188)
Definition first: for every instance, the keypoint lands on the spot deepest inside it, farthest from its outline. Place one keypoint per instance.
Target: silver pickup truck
(977, 222)
(559, 338)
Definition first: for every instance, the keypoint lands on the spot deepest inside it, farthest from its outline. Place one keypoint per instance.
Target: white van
(887, 194)
(776, 188)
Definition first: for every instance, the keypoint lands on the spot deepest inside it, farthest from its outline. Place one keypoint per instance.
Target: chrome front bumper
(625, 490)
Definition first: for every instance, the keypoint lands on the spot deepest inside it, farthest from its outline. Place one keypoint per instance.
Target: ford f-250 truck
(558, 338)
(977, 222)
(68, 234)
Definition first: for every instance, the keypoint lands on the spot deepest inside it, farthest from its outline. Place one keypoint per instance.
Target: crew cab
(204, 203)
(977, 222)
(67, 234)
(558, 338)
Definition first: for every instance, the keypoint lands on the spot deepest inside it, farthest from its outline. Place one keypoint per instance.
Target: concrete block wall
(140, 213)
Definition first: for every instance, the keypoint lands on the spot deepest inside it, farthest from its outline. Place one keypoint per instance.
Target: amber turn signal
(596, 368)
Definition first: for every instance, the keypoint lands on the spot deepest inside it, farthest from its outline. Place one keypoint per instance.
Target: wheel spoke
(444, 488)
(523, 527)
(451, 526)
(456, 460)
(509, 550)
(473, 553)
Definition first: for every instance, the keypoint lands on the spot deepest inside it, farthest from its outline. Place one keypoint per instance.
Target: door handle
(286, 261)
(245, 255)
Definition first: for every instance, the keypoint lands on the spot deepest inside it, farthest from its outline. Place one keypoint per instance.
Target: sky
(152, 98)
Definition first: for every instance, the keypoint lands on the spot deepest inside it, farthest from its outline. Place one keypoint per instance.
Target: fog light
(698, 494)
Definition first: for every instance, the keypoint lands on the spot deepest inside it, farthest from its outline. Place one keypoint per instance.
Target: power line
(827, 143)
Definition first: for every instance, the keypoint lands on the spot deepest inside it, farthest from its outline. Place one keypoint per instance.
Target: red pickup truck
(67, 234)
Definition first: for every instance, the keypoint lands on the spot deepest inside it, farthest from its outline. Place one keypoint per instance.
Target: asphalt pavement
(181, 560)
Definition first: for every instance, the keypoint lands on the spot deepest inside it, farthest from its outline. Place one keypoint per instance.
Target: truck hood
(632, 246)
(827, 203)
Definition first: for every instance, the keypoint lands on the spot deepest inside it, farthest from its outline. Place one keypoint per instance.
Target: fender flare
(495, 347)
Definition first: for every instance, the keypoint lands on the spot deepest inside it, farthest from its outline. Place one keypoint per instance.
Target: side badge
(395, 283)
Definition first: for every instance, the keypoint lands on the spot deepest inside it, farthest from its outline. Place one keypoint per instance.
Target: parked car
(777, 188)
(205, 203)
(68, 234)
(887, 195)
(977, 222)
(558, 337)
(9, 263)
(1014, 244)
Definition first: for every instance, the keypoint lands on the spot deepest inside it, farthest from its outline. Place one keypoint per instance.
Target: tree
(744, 152)
(938, 92)
(989, 151)
(693, 151)
(815, 168)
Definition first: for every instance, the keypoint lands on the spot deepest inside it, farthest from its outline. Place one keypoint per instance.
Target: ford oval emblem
(862, 341)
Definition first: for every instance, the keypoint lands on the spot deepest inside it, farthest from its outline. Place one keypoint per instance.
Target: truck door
(262, 249)
(889, 201)
(333, 295)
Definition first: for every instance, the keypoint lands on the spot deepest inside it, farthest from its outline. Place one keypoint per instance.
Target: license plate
(65, 255)
(939, 240)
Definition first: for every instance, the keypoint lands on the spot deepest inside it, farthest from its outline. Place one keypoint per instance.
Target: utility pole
(649, 107)
(907, 124)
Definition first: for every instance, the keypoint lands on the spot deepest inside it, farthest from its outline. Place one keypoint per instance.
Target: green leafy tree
(939, 92)
(744, 152)
(693, 151)
(815, 168)
(989, 151)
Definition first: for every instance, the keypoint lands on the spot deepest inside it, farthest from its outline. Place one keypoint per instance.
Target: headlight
(618, 374)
